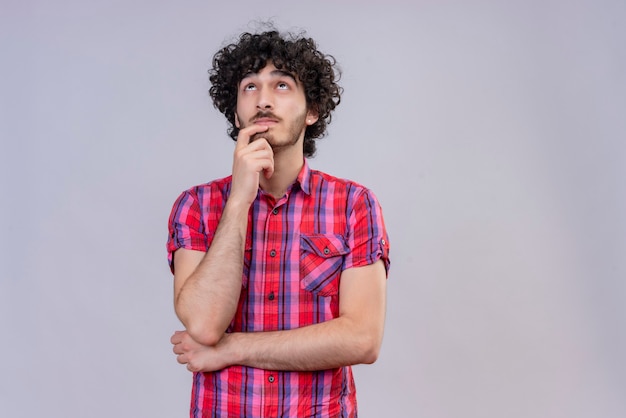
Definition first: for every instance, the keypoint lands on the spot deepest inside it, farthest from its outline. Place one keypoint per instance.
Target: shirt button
(273, 253)
(326, 251)
(271, 379)
(271, 296)
(275, 211)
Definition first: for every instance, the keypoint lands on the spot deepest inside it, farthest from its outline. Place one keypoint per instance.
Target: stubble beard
(294, 131)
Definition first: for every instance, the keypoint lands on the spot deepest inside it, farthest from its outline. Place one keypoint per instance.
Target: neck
(287, 166)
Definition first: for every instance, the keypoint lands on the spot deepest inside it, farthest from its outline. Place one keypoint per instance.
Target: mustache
(264, 114)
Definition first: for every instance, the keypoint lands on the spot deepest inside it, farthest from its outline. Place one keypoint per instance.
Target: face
(274, 98)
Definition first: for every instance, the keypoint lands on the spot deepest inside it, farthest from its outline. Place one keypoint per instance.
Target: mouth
(265, 118)
(265, 121)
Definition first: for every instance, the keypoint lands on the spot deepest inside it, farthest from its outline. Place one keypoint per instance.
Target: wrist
(235, 352)
(237, 207)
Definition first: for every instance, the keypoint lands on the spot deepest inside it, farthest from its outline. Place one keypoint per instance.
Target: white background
(493, 133)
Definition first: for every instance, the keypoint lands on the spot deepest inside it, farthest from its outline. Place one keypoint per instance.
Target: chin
(268, 137)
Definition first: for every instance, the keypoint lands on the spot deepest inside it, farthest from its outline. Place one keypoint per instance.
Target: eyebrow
(274, 73)
(282, 73)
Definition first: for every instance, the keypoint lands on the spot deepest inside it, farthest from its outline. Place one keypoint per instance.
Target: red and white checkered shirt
(296, 248)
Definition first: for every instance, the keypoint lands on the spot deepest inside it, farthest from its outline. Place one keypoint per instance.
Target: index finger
(176, 338)
(243, 139)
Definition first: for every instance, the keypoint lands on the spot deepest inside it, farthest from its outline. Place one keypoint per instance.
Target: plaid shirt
(296, 248)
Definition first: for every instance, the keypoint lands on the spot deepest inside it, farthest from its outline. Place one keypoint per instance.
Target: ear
(237, 121)
(311, 116)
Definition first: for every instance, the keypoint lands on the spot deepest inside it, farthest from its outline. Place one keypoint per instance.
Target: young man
(279, 270)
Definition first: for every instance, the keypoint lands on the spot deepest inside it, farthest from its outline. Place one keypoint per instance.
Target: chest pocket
(321, 261)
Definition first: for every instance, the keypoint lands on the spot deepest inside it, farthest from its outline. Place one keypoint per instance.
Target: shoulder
(354, 194)
(214, 189)
(319, 179)
(201, 199)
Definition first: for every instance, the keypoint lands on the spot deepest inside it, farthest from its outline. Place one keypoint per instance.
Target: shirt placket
(274, 250)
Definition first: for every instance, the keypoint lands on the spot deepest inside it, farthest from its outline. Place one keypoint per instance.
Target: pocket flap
(324, 245)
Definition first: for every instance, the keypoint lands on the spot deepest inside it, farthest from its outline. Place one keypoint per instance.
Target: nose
(265, 101)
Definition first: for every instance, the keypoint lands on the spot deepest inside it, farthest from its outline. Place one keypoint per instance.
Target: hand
(249, 160)
(198, 357)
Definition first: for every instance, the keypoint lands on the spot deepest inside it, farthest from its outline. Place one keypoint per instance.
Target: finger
(257, 160)
(177, 336)
(269, 170)
(252, 155)
(246, 134)
(254, 148)
(265, 165)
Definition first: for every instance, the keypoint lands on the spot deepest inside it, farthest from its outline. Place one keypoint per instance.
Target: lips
(265, 121)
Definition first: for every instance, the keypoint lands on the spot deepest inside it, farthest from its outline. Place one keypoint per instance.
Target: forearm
(335, 343)
(354, 337)
(208, 299)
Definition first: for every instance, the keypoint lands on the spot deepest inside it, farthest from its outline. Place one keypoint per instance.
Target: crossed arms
(353, 337)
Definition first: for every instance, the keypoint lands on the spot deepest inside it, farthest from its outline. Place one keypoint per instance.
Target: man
(279, 270)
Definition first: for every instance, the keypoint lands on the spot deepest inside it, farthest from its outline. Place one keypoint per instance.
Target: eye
(282, 86)
(249, 87)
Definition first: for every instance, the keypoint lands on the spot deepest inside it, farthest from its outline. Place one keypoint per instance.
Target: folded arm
(207, 285)
(354, 337)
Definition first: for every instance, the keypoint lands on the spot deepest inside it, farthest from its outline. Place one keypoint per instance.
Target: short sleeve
(367, 237)
(186, 228)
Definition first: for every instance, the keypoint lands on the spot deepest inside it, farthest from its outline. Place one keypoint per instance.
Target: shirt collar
(304, 178)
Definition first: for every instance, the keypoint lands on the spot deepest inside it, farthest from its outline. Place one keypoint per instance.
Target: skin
(272, 115)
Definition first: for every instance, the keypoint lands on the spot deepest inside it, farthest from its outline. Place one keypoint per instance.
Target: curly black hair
(296, 54)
